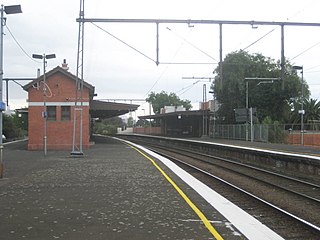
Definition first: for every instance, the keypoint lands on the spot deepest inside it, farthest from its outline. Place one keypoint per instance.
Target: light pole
(44, 57)
(8, 10)
(301, 111)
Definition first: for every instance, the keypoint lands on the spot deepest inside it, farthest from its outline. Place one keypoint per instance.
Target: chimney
(65, 65)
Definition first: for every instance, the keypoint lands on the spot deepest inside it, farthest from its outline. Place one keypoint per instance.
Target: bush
(101, 128)
(276, 133)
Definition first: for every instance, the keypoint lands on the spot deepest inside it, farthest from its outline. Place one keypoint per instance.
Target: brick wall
(147, 130)
(60, 91)
(309, 139)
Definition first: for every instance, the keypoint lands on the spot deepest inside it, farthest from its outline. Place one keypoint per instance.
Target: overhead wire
(191, 44)
(259, 39)
(19, 45)
(306, 50)
(251, 44)
(166, 68)
(155, 83)
(187, 88)
(128, 45)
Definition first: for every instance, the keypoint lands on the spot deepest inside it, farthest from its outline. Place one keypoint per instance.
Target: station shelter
(182, 123)
(60, 98)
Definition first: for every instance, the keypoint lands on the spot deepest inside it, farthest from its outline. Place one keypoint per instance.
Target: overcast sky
(119, 72)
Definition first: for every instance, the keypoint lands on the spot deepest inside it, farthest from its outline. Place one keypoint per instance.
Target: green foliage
(268, 97)
(311, 108)
(101, 128)
(108, 126)
(15, 126)
(275, 133)
(159, 100)
(130, 122)
(143, 123)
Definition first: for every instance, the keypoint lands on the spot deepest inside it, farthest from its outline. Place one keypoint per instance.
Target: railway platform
(115, 191)
(289, 148)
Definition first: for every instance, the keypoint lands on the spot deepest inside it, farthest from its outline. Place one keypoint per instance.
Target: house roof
(100, 109)
(58, 69)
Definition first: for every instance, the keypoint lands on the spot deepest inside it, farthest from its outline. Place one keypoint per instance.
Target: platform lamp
(44, 57)
(13, 9)
(301, 111)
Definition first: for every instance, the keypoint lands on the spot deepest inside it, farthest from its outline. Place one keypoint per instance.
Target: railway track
(287, 205)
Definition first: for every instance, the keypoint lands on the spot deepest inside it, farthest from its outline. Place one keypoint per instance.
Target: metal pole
(247, 106)
(1, 78)
(220, 56)
(282, 57)
(7, 91)
(157, 62)
(302, 110)
(44, 106)
(251, 124)
(204, 122)
(79, 84)
(214, 115)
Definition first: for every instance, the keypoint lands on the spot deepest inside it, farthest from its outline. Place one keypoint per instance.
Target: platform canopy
(101, 109)
(174, 114)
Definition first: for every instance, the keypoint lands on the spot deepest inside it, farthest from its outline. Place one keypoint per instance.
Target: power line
(260, 38)
(133, 48)
(305, 50)
(158, 79)
(297, 13)
(19, 45)
(191, 44)
(165, 70)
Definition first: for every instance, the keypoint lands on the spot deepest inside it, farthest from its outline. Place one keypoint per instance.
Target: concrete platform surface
(112, 192)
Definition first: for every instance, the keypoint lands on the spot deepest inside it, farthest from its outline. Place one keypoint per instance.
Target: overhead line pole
(77, 149)
(81, 19)
(189, 21)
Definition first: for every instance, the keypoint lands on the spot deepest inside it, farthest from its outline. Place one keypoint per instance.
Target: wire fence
(273, 133)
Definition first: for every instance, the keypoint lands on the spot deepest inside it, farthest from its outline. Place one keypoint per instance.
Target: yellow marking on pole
(184, 196)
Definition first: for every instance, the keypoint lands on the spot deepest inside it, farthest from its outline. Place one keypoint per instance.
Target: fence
(241, 132)
(274, 133)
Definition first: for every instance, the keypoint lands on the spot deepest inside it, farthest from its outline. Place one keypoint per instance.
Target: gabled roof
(58, 69)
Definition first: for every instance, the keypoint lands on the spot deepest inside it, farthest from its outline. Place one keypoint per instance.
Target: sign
(243, 115)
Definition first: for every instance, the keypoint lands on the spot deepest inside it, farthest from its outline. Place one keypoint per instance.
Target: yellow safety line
(184, 196)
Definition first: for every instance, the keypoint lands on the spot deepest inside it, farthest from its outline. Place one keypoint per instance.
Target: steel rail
(253, 168)
(300, 220)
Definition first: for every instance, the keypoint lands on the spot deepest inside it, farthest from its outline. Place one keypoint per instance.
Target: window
(51, 113)
(65, 113)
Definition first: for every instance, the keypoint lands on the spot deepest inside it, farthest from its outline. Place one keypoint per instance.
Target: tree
(130, 122)
(159, 100)
(15, 125)
(268, 97)
(311, 108)
(108, 126)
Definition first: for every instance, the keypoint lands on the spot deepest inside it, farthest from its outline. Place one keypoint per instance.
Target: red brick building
(60, 104)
